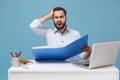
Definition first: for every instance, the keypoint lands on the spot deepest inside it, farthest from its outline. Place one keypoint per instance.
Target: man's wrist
(48, 16)
(44, 18)
(86, 55)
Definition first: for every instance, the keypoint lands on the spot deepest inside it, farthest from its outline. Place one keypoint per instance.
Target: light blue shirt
(53, 36)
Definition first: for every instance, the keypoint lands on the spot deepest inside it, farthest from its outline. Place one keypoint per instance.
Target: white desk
(62, 71)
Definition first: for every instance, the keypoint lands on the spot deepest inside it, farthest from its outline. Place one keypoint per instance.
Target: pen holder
(15, 61)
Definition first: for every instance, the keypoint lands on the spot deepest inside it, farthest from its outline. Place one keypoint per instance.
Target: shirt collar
(67, 30)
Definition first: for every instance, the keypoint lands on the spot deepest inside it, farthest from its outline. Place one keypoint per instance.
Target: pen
(16, 54)
(11, 54)
(19, 53)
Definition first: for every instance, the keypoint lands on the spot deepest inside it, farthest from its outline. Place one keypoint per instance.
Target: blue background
(98, 18)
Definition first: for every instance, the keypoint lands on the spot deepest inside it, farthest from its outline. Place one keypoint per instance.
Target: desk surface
(59, 67)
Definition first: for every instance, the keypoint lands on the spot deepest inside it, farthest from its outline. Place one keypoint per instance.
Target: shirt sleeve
(81, 55)
(36, 26)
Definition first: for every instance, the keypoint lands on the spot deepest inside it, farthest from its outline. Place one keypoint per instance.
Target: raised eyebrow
(61, 16)
(56, 17)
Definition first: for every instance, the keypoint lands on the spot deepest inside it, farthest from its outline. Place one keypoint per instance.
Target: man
(61, 35)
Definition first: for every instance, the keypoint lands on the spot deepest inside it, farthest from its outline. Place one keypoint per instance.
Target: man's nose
(59, 19)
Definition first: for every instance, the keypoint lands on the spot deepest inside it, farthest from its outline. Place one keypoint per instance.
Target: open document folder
(62, 53)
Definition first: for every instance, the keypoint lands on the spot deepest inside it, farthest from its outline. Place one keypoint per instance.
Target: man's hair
(60, 8)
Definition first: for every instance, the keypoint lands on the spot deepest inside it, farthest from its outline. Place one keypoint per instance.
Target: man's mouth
(59, 23)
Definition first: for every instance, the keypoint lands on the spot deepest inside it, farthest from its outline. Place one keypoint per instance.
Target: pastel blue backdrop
(98, 18)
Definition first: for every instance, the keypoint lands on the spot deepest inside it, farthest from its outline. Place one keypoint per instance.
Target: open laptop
(103, 54)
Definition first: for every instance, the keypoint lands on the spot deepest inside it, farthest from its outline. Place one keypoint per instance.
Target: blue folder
(62, 53)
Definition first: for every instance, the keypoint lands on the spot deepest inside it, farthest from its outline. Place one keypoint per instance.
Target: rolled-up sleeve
(36, 26)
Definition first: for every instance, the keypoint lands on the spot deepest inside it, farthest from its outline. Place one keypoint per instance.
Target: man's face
(59, 19)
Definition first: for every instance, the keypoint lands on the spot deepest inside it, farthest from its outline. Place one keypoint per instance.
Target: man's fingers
(87, 49)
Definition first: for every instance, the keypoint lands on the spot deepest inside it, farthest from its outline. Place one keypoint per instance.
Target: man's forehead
(60, 12)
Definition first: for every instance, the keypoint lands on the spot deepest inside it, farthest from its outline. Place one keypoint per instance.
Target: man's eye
(61, 16)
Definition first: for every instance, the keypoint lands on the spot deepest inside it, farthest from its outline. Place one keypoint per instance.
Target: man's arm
(36, 25)
(46, 17)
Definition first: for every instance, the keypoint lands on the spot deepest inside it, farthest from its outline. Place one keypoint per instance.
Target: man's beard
(60, 28)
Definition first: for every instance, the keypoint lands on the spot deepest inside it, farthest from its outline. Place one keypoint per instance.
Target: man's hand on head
(51, 14)
(46, 17)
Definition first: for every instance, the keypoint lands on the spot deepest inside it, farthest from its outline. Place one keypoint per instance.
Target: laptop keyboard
(82, 62)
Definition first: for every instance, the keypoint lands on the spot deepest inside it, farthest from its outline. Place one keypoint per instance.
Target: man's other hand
(87, 50)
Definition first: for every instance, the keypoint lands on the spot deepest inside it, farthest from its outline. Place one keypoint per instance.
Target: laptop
(103, 54)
